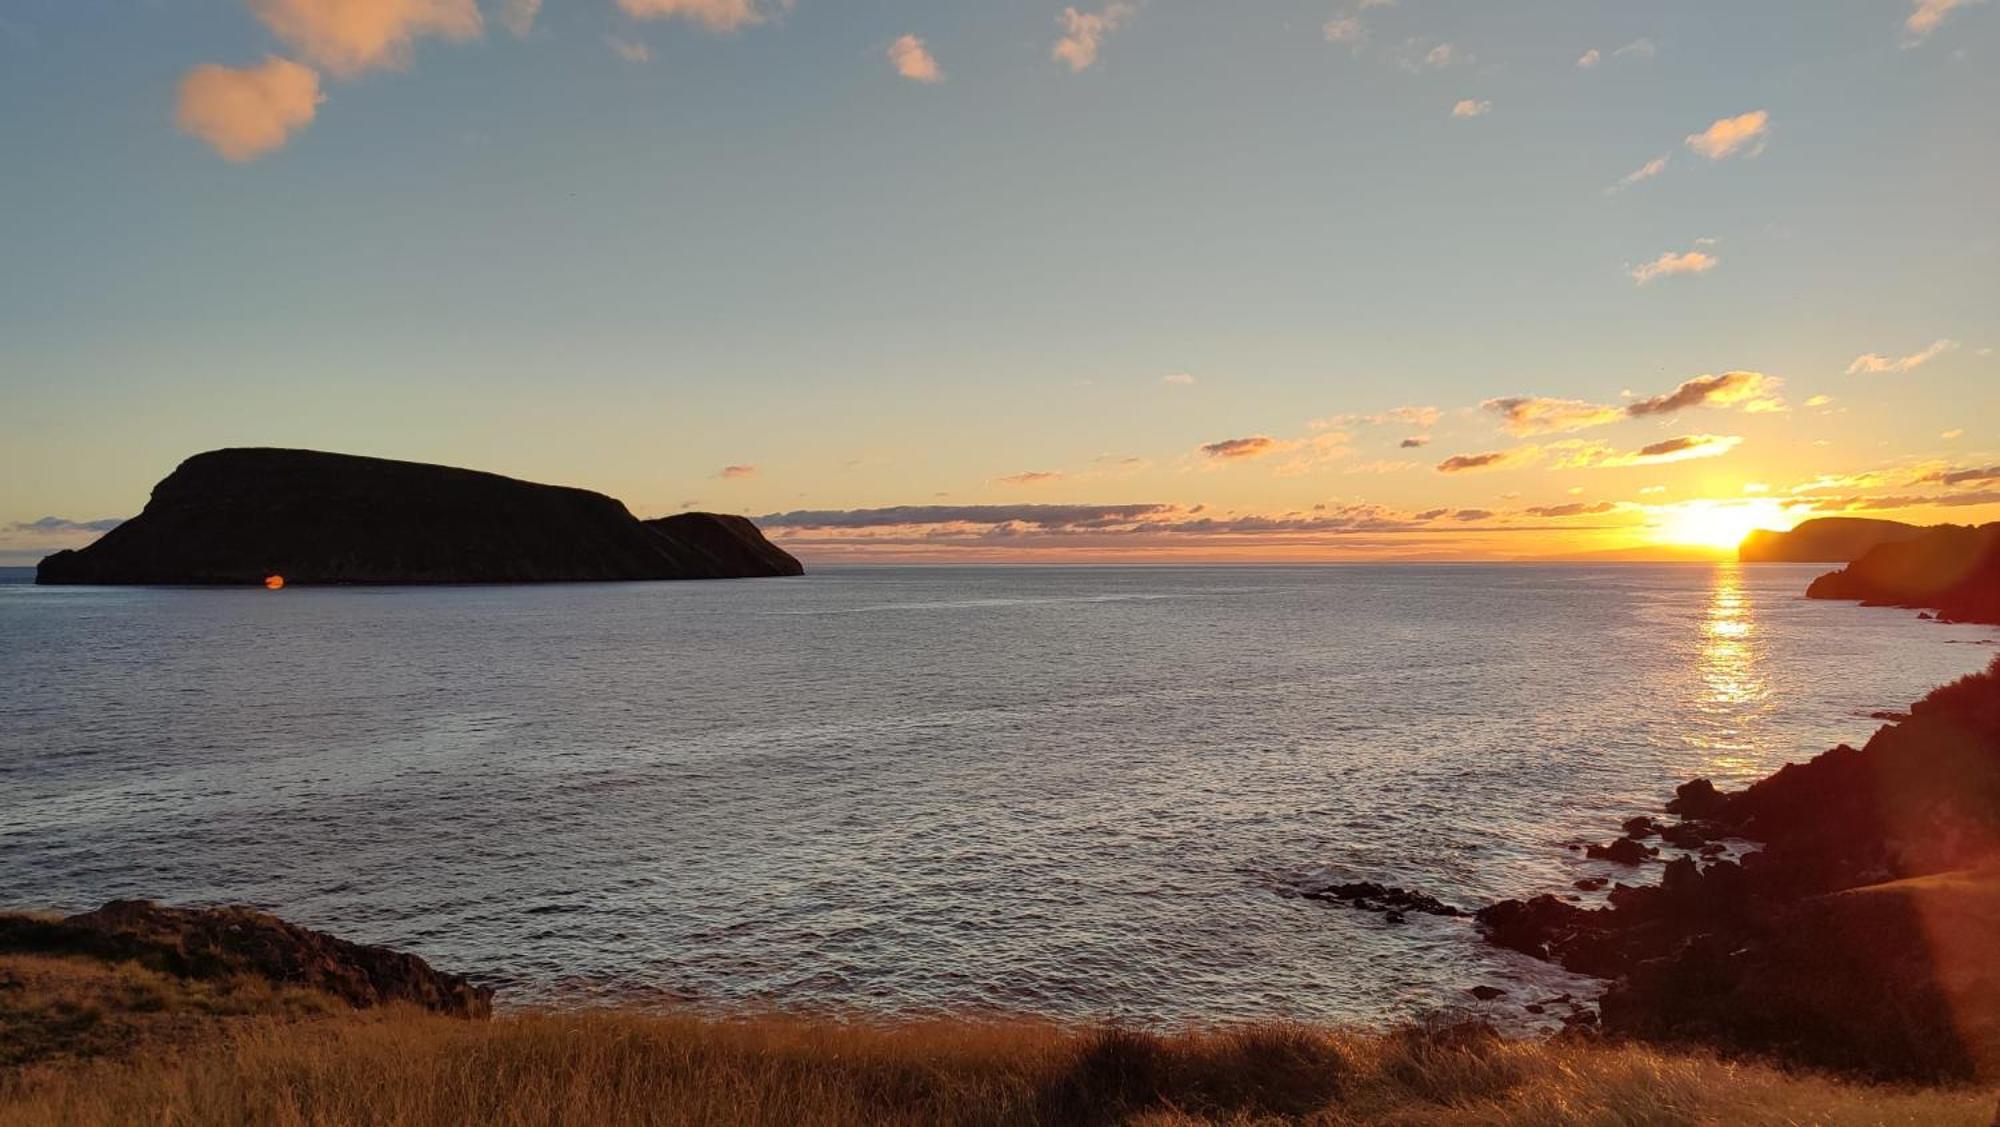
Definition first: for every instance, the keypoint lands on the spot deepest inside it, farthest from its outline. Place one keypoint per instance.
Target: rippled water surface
(1073, 792)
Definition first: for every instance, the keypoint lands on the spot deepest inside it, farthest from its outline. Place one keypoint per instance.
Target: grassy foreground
(96, 1044)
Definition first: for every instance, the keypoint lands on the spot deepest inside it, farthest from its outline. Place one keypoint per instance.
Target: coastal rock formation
(1951, 569)
(1864, 936)
(238, 516)
(1824, 540)
(221, 943)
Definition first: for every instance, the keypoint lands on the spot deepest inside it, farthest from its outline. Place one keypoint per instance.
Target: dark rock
(213, 943)
(238, 516)
(1591, 884)
(1487, 993)
(1697, 799)
(1640, 828)
(1374, 897)
(1624, 851)
(1951, 569)
(1684, 835)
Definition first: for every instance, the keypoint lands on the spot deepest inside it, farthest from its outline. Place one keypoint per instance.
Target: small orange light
(274, 581)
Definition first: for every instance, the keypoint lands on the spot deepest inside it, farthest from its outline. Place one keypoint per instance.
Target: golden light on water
(1732, 682)
(1719, 524)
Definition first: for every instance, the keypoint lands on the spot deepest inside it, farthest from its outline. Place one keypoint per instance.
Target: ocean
(1083, 793)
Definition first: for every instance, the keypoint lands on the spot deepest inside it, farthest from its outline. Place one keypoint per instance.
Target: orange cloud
(1466, 107)
(1084, 32)
(714, 15)
(1255, 446)
(1526, 415)
(913, 60)
(1753, 390)
(736, 473)
(1645, 171)
(1670, 264)
(1925, 16)
(1031, 477)
(347, 37)
(1680, 449)
(1730, 134)
(1874, 363)
(1493, 460)
(243, 114)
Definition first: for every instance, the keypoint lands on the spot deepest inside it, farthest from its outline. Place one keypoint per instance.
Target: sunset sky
(1348, 279)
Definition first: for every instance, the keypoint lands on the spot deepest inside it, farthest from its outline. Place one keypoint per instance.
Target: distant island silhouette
(1824, 540)
(285, 517)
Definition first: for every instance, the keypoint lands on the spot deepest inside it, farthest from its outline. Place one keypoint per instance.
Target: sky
(1018, 281)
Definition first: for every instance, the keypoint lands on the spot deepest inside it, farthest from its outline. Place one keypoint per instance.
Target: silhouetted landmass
(1864, 936)
(237, 516)
(1824, 540)
(1951, 569)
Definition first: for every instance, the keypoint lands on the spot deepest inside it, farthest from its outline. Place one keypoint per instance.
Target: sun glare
(1719, 524)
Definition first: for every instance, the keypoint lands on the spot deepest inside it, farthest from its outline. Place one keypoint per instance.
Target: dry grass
(402, 1067)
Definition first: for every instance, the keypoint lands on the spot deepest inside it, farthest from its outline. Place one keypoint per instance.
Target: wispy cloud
(1031, 477)
(1731, 135)
(1466, 107)
(631, 50)
(1670, 264)
(1415, 441)
(1492, 460)
(1963, 476)
(1925, 16)
(1529, 414)
(1178, 379)
(714, 15)
(1644, 172)
(1230, 449)
(346, 37)
(737, 472)
(914, 61)
(1577, 454)
(243, 114)
(1874, 363)
(518, 16)
(1084, 32)
(1589, 58)
(1753, 391)
(58, 525)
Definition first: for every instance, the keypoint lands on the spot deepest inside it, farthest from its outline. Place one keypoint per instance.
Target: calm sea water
(1080, 793)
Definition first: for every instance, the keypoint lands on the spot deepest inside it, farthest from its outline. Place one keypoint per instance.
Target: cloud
(1466, 107)
(1031, 477)
(1414, 441)
(1874, 363)
(1670, 264)
(1495, 460)
(65, 525)
(713, 15)
(1255, 446)
(1755, 391)
(518, 16)
(1041, 516)
(1907, 501)
(1962, 477)
(737, 472)
(631, 50)
(1684, 448)
(1955, 432)
(1573, 509)
(1444, 55)
(1925, 16)
(1589, 59)
(1083, 32)
(1473, 514)
(1344, 28)
(347, 37)
(1645, 171)
(914, 61)
(243, 114)
(1178, 379)
(1730, 134)
(1638, 49)
(1527, 415)
(1819, 401)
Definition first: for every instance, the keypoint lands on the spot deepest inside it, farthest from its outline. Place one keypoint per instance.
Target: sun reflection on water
(1734, 692)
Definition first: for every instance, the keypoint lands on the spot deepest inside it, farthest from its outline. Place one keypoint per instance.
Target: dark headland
(237, 516)
(1824, 540)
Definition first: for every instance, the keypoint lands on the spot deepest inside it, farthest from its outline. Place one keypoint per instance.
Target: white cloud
(1344, 29)
(1466, 107)
(1670, 264)
(1178, 379)
(1638, 49)
(243, 114)
(1874, 363)
(1730, 134)
(1084, 32)
(914, 61)
(632, 51)
(713, 15)
(1589, 59)
(347, 37)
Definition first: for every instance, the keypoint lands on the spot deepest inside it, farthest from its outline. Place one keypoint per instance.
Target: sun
(1719, 524)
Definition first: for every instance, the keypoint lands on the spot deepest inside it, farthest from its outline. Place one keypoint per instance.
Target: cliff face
(1952, 569)
(1824, 540)
(237, 516)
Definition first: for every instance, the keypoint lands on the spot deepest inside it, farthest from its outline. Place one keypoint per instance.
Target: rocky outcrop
(1863, 936)
(1952, 569)
(238, 516)
(1824, 540)
(221, 943)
